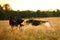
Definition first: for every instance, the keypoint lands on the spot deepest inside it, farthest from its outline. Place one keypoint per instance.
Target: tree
(6, 7)
(1, 13)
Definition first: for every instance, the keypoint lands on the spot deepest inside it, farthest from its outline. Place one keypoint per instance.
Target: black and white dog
(38, 22)
(13, 22)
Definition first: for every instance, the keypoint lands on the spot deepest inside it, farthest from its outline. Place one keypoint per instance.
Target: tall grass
(31, 33)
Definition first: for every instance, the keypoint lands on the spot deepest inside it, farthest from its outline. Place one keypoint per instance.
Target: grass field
(30, 32)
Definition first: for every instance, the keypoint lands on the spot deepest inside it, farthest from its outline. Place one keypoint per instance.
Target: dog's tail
(48, 24)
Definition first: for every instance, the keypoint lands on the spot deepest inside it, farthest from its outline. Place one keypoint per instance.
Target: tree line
(6, 12)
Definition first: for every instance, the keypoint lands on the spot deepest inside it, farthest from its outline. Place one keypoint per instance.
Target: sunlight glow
(32, 4)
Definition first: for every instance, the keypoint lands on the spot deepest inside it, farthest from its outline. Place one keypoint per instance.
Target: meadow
(29, 32)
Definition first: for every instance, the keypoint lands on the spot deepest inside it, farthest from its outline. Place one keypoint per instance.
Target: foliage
(7, 12)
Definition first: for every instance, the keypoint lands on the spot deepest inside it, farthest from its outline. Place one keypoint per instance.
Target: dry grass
(30, 32)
